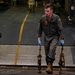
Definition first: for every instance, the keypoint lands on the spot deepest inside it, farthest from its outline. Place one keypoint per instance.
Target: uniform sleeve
(39, 30)
(60, 27)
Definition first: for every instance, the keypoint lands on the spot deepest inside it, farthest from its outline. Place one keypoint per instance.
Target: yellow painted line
(19, 40)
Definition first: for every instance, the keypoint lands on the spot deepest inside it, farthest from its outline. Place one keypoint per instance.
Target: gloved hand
(39, 42)
(62, 41)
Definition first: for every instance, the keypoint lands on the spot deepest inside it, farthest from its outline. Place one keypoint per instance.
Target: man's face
(48, 12)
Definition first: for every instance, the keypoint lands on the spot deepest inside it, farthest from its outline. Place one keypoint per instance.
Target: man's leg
(52, 52)
(50, 48)
(49, 65)
(29, 8)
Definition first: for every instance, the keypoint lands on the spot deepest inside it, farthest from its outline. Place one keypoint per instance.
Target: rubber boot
(49, 69)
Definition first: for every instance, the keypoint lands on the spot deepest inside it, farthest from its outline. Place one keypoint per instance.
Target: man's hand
(62, 41)
(39, 42)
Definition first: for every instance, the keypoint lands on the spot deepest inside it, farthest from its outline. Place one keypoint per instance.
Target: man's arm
(60, 27)
(39, 38)
(39, 32)
(60, 31)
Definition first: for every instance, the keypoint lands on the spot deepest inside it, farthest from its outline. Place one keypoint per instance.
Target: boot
(49, 69)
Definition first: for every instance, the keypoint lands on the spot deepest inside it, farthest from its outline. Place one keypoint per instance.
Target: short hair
(49, 6)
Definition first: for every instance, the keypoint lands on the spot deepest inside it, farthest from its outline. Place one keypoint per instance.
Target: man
(14, 2)
(57, 8)
(51, 25)
(31, 4)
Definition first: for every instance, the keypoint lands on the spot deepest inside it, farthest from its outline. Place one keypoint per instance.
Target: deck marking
(20, 36)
